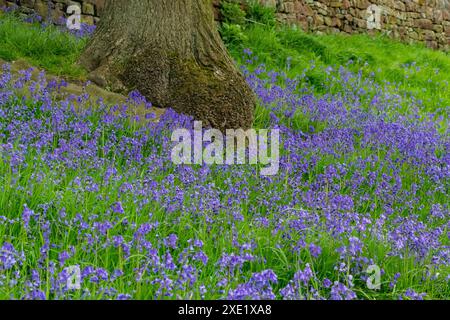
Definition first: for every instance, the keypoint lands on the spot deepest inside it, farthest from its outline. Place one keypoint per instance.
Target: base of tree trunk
(189, 70)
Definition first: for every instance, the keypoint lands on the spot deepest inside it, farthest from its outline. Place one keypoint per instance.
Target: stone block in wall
(348, 29)
(302, 22)
(288, 7)
(346, 4)
(428, 35)
(360, 23)
(336, 22)
(42, 8)
(411, 6)
(429, 12)
(336, 4)
(319, 4)
(424, 24)
(402, 16)
(305, 9)
(413, 35)
(28, 3)
(318, 20)
(88, 8)
(432, 44)
(400, 5)
(438, 28)
(99, 6)
(269, 3)
(362, 4)
(322, 11)
(446, 15)
(291, 18)
(447, 31)
(362, 14)
(327, 21)
(437, 16)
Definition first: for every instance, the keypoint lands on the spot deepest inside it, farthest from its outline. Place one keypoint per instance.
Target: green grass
(390, 62)
(47, 48)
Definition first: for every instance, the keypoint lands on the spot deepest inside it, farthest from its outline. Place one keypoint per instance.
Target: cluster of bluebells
(84, 185)
(85, 29)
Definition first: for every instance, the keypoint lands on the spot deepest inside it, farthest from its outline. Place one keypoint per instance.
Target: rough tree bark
(170, 50)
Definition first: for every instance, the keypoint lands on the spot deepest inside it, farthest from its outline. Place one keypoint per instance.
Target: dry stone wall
(427, 21)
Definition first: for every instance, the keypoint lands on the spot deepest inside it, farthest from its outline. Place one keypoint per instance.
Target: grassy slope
(48, 48)
(390, 61)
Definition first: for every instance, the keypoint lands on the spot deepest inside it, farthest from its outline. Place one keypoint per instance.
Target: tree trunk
(171, 52)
